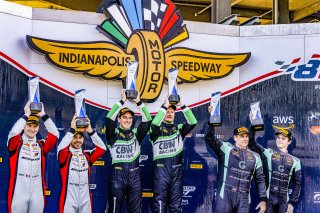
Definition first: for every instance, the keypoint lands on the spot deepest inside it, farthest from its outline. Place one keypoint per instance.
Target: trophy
(215, 117)
(174, 98)
(131, 91)
(34, 95)
(256, 120)
(80, 108)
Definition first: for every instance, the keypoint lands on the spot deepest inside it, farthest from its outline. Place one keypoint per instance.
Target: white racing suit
(27, 156)
(75, 172)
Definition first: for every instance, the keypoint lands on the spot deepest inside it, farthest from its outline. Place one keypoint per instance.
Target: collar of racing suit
(73, 150)
(238, 148)
(168, 125)
(28, 140)
(124, 131)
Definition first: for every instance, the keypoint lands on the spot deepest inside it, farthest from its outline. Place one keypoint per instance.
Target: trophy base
(215, 120)
(257, 125)
(35, 107)
(174, 99)
(81, 123)
(131, 94)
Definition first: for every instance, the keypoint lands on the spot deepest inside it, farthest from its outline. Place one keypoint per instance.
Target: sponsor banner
(203, 166)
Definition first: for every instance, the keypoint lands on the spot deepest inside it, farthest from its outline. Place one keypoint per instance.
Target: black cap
(78, 132)
(284, 132)
(33, 119)
(125, 110)
(241, 130)
(173, 107)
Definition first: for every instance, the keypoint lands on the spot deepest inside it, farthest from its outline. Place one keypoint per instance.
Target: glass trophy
(79, 103)
(174, 98)
(256, 120)
(131, 90)
(34, 95)
(215, 116)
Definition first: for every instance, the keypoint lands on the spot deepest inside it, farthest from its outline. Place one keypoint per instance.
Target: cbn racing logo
(309, 71)
(145, 32)
(314, 122)
(316, 197)
(187, 190)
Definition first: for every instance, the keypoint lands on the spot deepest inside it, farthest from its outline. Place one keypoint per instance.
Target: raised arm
(14, 134)
(253, 145)
(111, 119)
(100, 148)
(62, 150)
(191, 121)
(210, 138)
(156, 122)
(144, 126)
(53, 133)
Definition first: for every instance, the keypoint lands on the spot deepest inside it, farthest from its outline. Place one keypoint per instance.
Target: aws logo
(283, 122)
(144, 31)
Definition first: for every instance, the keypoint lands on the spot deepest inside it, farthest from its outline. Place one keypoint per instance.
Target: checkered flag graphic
(162, 10)
(150, 13)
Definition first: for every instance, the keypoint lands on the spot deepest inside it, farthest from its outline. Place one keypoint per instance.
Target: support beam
(306, 11)
(220, 9)
(249, 12)
(280, 11)
(234, 2)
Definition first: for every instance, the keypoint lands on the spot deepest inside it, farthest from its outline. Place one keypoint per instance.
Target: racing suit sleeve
(62, 152)
(111, 122)
(297, 182)
(14, 134)
(253, 145)
(99, 150)
(144, 126)
(53, 134)
(191, 121)
(259, 179)
(156, 122)
(211, 139)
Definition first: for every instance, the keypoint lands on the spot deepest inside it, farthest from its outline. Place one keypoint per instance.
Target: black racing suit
(236, 168)
(281, 169)
(124, 145)
(167, 140)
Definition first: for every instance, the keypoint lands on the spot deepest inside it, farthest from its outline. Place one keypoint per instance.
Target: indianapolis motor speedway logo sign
(145, 31)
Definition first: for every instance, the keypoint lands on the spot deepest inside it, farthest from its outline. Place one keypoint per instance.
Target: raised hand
(26, 109)
(167, 103)
(89, 128)
(137, 100)
(123, 95)
(42, 112)
(73, 122)
(180, 103)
